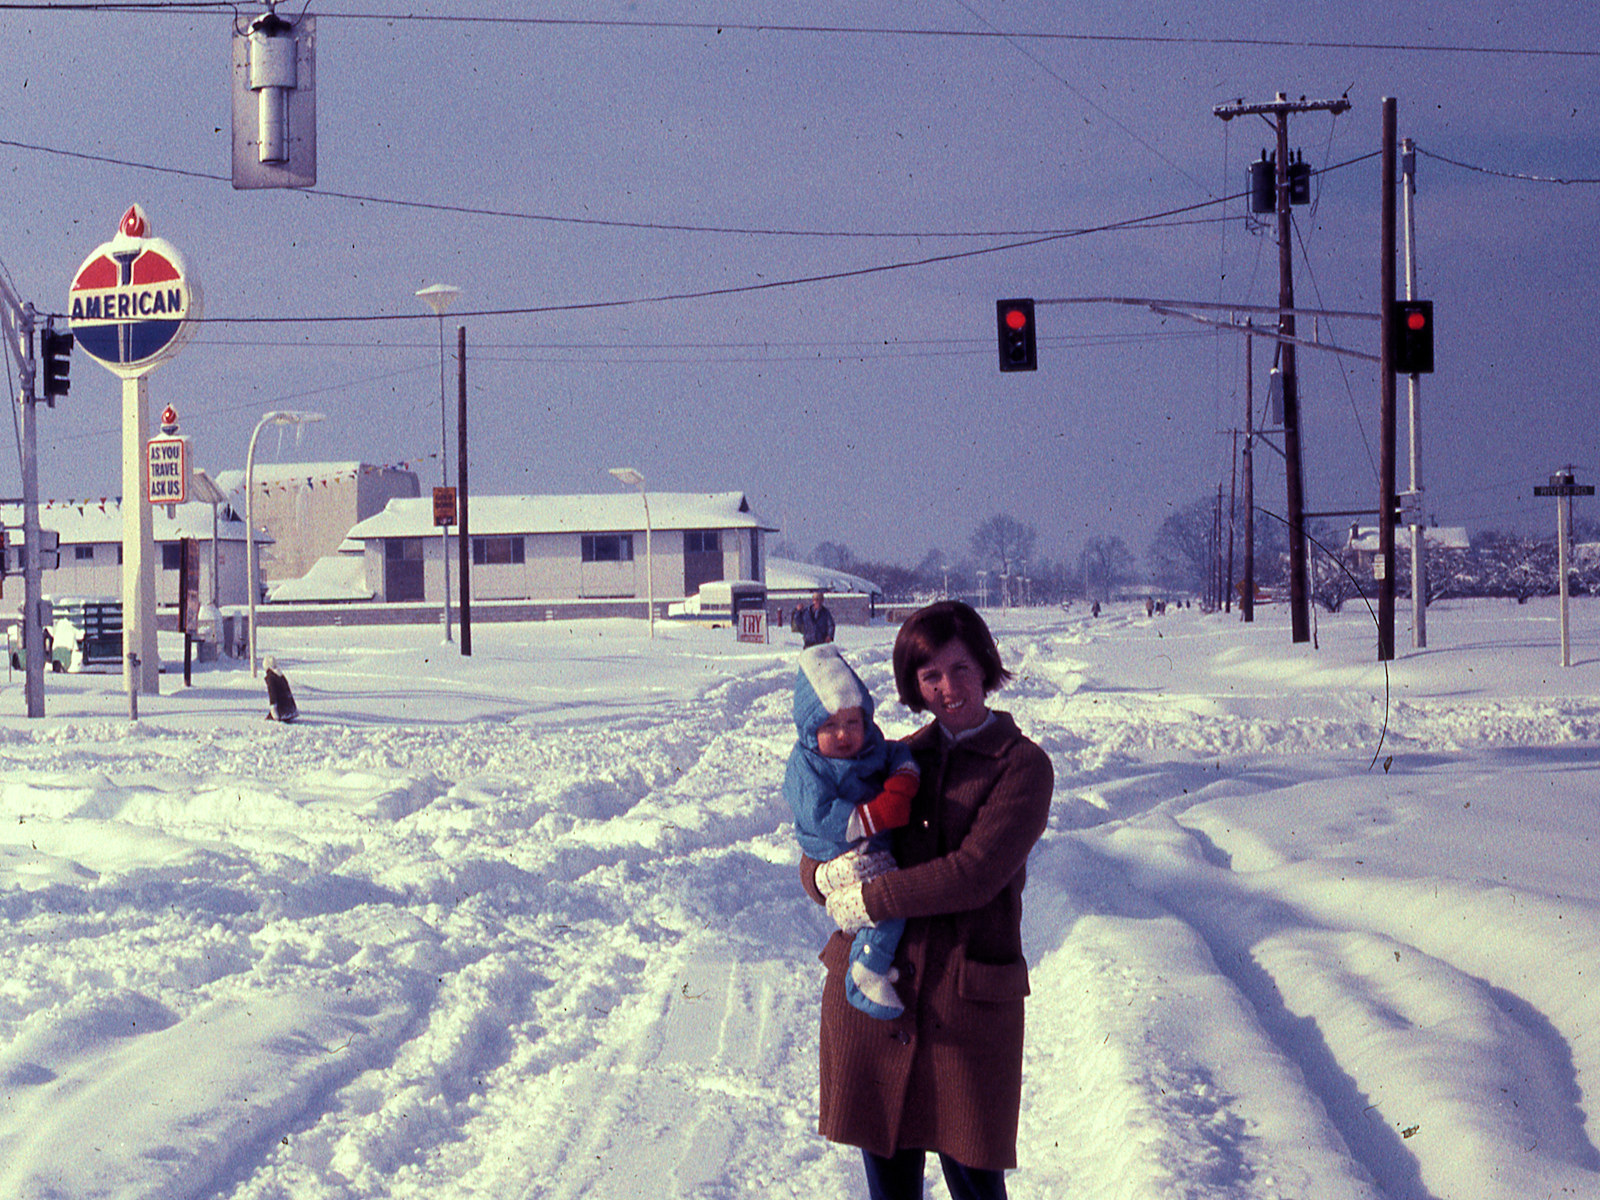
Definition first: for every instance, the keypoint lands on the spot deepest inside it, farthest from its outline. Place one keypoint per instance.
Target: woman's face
(951, 684)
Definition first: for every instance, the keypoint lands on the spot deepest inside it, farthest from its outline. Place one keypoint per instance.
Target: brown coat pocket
(993, 983)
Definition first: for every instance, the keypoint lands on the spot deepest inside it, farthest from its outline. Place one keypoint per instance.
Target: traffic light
(55, 348)
(1411, 337)
(1019, 349)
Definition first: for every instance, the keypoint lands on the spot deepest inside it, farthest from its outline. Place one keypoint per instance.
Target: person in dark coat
(816, 622)
(945, 1076)
(280, 699)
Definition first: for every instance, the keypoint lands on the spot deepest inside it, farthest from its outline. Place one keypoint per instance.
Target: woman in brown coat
(945, 1076)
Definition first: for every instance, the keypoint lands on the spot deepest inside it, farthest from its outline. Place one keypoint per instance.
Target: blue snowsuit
(823, 794)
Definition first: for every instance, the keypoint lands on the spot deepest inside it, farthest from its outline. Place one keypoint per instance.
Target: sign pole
(141, 657)
(1564, 486)
(131, 305)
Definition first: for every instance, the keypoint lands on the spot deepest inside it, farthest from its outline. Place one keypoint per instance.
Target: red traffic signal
(1019, 349)
(1411, 337)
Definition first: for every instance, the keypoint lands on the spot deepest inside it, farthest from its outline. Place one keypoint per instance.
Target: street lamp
(440, 296)
(271, 418)
(628, 477)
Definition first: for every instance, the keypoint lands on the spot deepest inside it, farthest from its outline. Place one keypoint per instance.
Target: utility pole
(463, 530)
(1233, 506)
(1386, 455)
(1278, 111)
(1419, 556)
(32, 590)
(1247, 597)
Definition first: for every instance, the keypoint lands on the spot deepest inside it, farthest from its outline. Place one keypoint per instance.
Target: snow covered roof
(491, 515)
(1450, 537)
(86, 522)
(786, 575)
(232, 481)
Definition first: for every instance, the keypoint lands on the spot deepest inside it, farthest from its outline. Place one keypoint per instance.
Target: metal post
(141, 657)
(1419, 555)
(32, 608)
(439, 297)
(444, 473)
(1563, 535)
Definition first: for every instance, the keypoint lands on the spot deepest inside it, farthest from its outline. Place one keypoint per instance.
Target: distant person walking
(816, 622)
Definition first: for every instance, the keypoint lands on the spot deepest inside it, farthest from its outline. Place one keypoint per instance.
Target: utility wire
(183, 7)
(1503, 174)
(513, 214)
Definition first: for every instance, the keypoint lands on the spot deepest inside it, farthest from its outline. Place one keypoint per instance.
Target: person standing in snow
(280, 698)
(816, 622)
(847, 785)
(945, 1076)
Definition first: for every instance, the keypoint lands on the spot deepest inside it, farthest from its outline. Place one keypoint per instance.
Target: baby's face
(843, 734)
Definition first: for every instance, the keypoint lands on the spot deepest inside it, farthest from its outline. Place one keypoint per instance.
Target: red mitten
(890, 808)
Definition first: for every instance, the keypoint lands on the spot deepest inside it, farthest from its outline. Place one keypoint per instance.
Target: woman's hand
(853, 866)
(848, 908)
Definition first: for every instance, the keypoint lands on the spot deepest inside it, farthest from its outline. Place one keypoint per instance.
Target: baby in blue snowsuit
(847, 785)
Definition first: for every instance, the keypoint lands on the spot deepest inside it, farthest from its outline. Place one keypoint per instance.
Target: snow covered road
(528, 925)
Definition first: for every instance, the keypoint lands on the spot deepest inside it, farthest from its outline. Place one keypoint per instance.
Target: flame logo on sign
(134, 223)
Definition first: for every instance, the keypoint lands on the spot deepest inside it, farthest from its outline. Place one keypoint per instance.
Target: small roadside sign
(753, 625)
(167, 470)
(444, 507)
(1565, 489)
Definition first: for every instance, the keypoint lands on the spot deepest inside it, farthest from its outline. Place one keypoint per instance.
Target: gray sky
(865, 409)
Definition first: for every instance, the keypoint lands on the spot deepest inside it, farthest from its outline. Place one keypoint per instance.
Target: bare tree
(1007, 543)
(1103, 564)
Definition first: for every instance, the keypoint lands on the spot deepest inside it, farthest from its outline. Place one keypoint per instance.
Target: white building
(90, 533)
(564, 548)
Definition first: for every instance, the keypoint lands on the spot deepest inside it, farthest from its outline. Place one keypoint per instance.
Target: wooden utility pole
(1299, 582)
(463, 533)
(1386, 455)
(1247, 597)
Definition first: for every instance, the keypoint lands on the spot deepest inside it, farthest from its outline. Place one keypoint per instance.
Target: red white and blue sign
(132, 301)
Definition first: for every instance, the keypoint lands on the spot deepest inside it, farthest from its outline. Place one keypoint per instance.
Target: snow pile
(527, 924)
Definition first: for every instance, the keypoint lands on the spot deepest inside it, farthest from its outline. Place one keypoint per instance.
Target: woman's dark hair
(928, 631)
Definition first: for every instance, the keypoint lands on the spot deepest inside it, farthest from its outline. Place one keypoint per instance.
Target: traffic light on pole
(55, 348)
(1411, 337)
(1019, 350)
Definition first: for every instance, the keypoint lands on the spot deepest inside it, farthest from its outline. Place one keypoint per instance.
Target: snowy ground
(527, 925)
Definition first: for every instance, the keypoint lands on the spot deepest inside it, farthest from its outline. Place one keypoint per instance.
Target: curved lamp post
(440, 296)
(271, 418)
(628, 477)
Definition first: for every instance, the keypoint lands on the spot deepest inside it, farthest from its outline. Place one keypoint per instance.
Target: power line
(554, 218)
(1527, 178)
(713, 293)
(184, 7)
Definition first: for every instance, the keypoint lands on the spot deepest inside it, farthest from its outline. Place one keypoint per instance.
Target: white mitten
(853, 866)
(848, 908)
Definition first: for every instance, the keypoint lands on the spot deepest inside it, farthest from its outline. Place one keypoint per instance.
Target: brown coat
(947, 1075)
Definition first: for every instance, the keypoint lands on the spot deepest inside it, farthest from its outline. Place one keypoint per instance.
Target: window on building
(608, 547)
(701, 541)
(83, 553)
(171, 556)
(487, 551)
